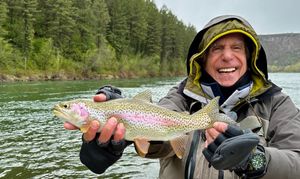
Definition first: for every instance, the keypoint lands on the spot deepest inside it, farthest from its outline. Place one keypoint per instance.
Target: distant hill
(283, 51)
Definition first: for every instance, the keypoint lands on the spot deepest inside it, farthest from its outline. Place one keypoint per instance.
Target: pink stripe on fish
(147, 119)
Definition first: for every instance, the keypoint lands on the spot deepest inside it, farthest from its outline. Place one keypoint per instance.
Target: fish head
(73, 112)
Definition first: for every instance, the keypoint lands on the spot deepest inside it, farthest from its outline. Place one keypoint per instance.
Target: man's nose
(227, 54)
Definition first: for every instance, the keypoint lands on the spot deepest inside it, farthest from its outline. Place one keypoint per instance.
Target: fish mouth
(66, 116)
(60, 113)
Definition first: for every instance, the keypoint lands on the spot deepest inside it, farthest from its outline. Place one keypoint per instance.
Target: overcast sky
(266, 16)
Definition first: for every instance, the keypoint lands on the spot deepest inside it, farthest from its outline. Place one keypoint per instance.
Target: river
(34, 144)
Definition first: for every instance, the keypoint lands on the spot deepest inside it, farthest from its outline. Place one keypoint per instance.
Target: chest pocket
(258, 126)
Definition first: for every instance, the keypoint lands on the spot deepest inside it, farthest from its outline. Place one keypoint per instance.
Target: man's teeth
(226, 70)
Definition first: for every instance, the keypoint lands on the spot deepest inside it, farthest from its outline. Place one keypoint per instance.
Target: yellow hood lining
(197, 55)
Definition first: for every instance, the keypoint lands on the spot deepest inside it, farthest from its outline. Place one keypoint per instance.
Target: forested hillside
(283, 52)
(79, 39)
(63, 39)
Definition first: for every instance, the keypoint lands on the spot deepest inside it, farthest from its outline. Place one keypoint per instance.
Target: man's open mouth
(226, 70)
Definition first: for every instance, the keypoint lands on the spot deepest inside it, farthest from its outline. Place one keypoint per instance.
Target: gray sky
(266, 16)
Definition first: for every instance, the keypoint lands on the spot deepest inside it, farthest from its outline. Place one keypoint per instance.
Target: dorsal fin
(144, 96)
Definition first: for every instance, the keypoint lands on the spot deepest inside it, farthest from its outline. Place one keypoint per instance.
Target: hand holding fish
(212, 133)
(108, 129)
(230, 147)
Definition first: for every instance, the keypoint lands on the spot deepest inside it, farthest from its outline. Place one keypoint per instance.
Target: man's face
(226, 61)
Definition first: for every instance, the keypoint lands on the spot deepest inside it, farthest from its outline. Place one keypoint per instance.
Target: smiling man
(225, 59)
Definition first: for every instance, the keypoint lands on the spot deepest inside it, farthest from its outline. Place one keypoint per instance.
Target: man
(225, 59)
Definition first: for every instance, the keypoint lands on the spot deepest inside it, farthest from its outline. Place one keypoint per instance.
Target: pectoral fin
(142, 146)
(178, 145)
(84, 128)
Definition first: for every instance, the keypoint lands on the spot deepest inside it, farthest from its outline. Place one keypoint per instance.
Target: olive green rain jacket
(266, 108)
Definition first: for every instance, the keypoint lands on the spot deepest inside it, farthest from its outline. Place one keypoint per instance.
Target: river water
(34, 144)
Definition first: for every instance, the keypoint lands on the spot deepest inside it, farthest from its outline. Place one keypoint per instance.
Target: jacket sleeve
(283, 150)
(175, 101)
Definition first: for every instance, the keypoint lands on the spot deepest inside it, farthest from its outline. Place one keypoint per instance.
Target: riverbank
(57, 77)
(71, 77)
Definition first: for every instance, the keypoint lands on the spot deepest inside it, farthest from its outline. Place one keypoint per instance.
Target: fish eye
(65, 106)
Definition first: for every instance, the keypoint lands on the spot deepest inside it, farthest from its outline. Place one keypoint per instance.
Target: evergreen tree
(100, 19)
(3, 18)
(137, 24)
(29, 10)
(14, 22)
(168, 35)
(60, 26)
(118, 32)
(154, 30)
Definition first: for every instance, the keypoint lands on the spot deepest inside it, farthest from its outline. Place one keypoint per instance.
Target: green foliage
(44, 55)
(3, 18)
(9, 58)
(154, 30)
(91, 38)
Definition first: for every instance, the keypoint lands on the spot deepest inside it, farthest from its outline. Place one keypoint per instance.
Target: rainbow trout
(143, 120)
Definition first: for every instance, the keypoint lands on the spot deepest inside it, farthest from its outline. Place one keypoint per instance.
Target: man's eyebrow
(239, 42)
(214, 44)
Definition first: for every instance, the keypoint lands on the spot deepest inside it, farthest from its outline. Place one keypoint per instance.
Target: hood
(215, 29)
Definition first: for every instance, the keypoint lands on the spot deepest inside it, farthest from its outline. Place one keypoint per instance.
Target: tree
(118, 32)
(137, 24)
(29, 11)
(20, 25)
(82, 38)
(60, 25)
(154, 30)
(3, 18)
(101, 20)
(168, 35)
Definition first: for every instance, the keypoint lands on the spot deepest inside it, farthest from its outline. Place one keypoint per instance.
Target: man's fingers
(100, 97)
(70, 126)
(91, 133)
(211, 134)
(108, 130)
(120, 132)
(220, 126)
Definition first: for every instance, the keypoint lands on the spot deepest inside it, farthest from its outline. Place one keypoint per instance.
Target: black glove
(98, 157)
(234, 150)
(110, 92)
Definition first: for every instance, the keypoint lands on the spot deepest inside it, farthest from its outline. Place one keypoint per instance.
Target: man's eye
(237, 47)
(215, 49)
